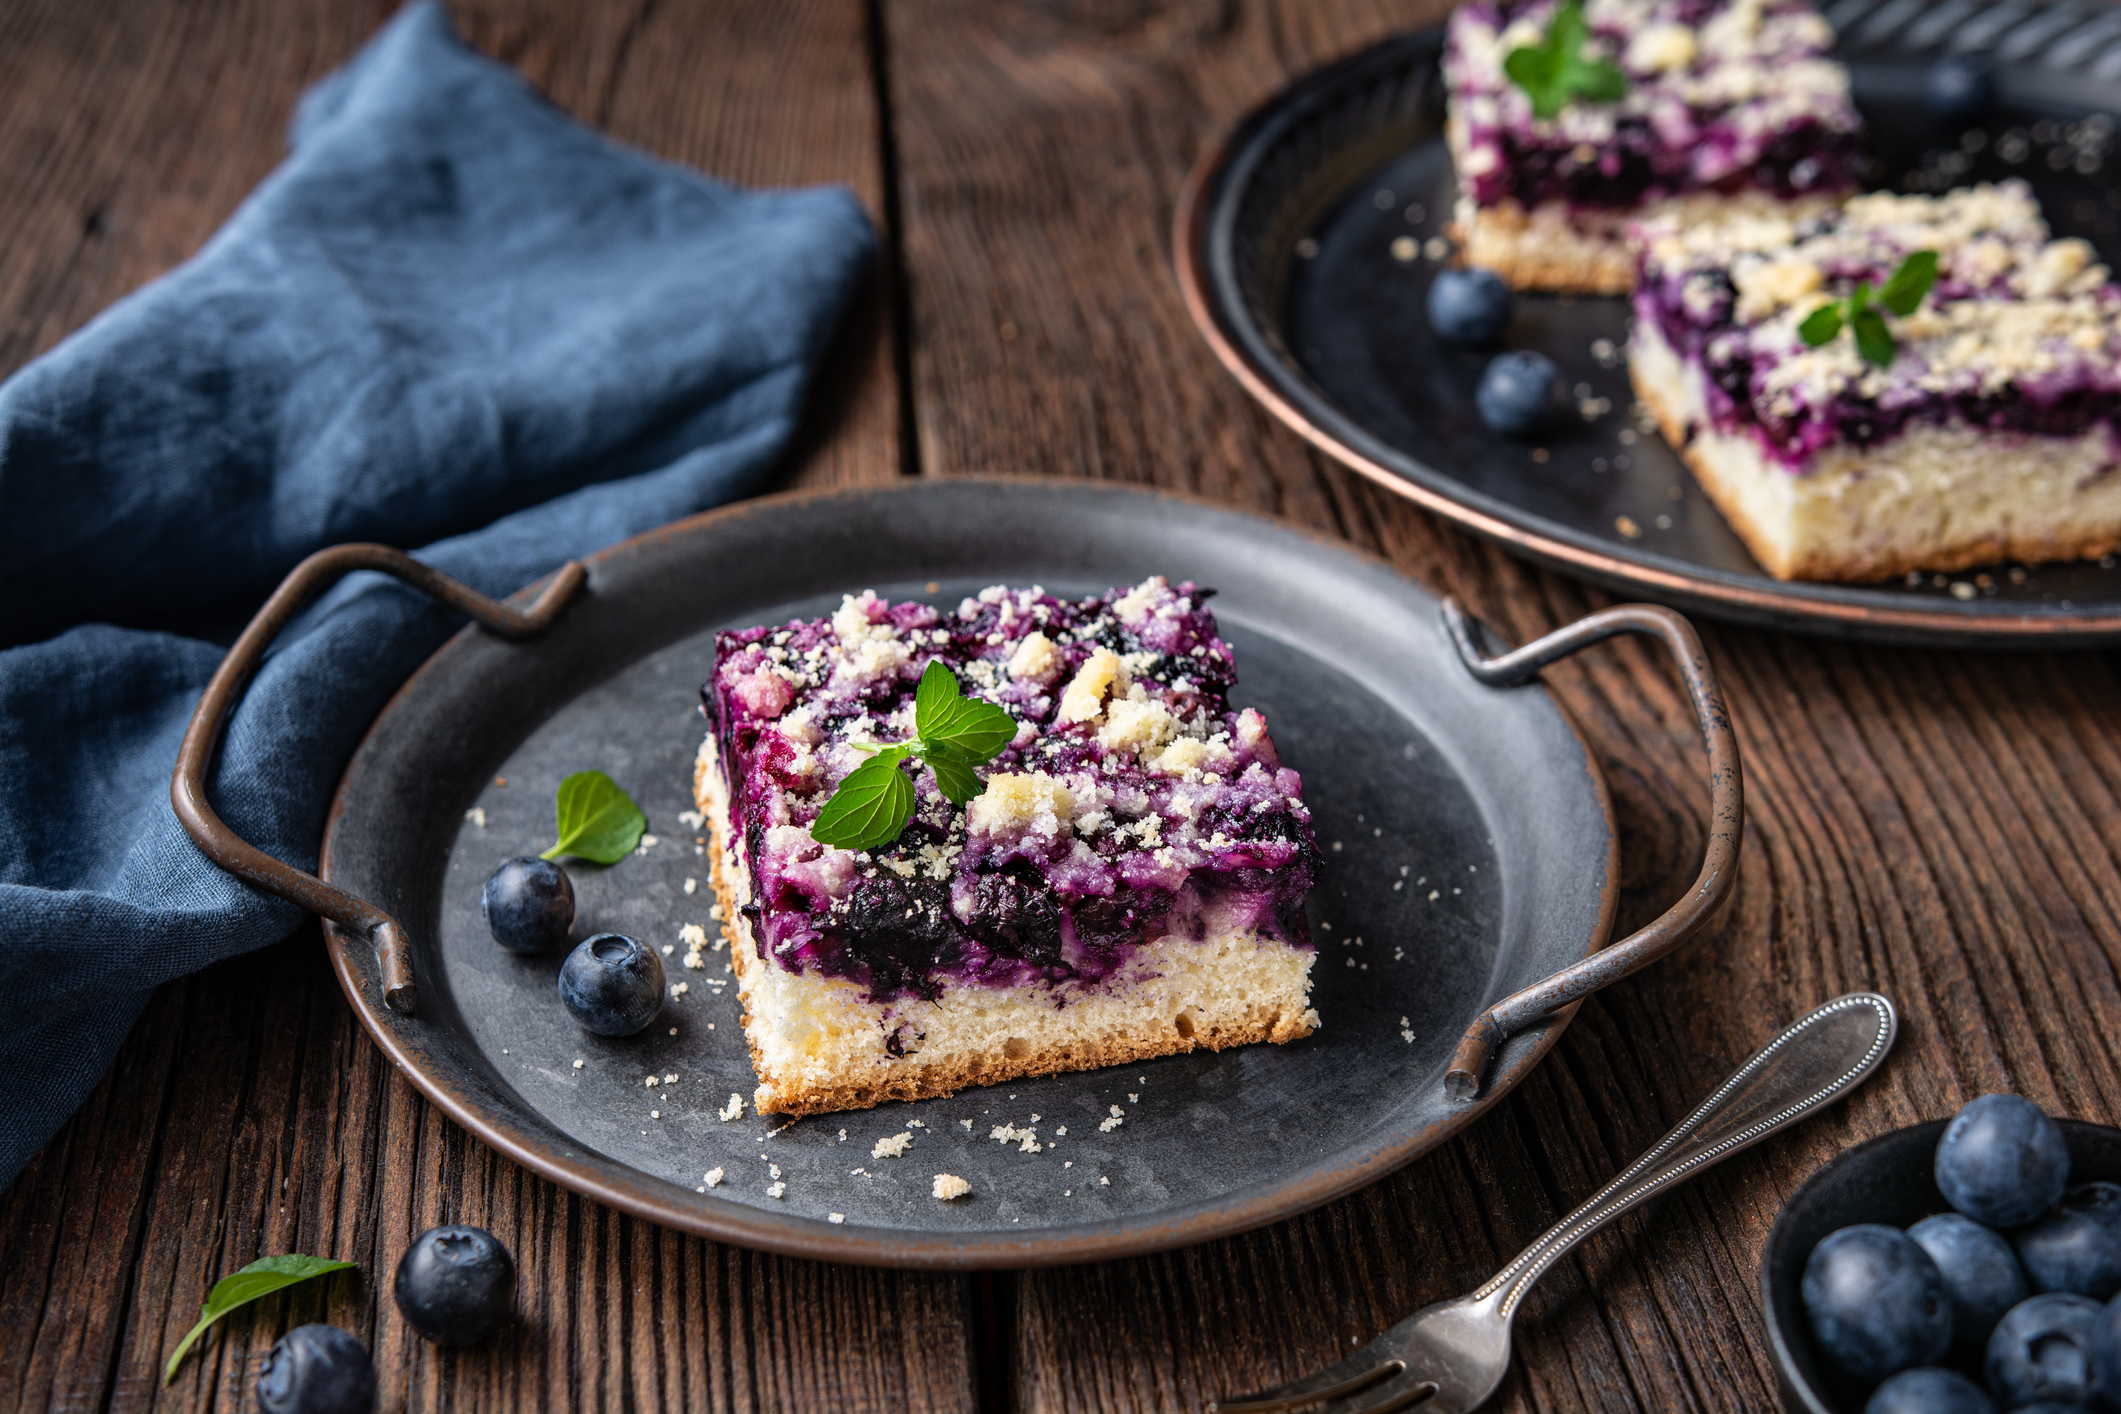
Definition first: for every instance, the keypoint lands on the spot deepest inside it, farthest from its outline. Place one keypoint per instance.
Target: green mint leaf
(1596, 80)
(596, 820)
(871, 806)
(944, 716)
(1555, 71)
(1873, 340)
(1859, 299)
(261, 1278)
(1822, 325)
(954, 777)
(1904, 291)
(1533, 70)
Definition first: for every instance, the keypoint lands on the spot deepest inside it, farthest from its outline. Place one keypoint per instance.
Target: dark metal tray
(1285, 249)
(1470, 853)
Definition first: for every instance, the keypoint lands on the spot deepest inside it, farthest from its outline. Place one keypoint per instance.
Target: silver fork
(1449, 1357)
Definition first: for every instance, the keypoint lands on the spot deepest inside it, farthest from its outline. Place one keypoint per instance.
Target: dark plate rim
(1201, 252)
(632, 1191)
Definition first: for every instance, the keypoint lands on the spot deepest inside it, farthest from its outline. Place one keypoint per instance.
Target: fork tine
(1404, 1391)
(1355, 1373)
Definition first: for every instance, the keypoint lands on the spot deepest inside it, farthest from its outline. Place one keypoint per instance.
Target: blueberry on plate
(1929, 1390)
(1469, 307)
(455, 1284)
(2001, 1161)
(2077, 1246)
(1516, 392)
(2042, 1349)
(1981, 1275)
(612, 985)
(1876, 1301)
(2106, 1354)
(529, 905)
(317, 1370)
(1960, 89)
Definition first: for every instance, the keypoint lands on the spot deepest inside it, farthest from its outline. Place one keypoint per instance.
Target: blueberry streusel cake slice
(1629, 109)
(1128, 880)
(1982, 424)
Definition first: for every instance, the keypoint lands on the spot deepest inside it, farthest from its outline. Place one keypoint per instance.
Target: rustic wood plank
(248, 1114)
(1941, 827)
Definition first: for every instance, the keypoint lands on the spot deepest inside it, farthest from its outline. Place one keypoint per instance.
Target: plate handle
(1719, 864)
(187, 788)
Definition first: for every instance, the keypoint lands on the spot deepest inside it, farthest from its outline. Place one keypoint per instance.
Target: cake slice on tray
(1065, 850)
(1569, 122)
(1906, 384)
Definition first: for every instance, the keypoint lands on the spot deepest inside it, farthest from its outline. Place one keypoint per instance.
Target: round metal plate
(1305, 249)
(1469, 852)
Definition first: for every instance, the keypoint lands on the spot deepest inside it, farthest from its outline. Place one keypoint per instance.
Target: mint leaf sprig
(596, 820)
(1874, 341)
(261, 1278)
(953, 734)
(1554, 72)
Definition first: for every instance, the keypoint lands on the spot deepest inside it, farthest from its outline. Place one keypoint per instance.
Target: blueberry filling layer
(1724, 98)
(1133, 804)
(2021, 334)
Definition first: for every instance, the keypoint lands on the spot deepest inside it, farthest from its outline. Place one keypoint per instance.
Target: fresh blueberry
(1516, 392)
(317, 1370)
(1876, 1301)
(2106, 1353)
(529, 905)
(2002, 1162)
(2077, 1247)
(1929, 1390)
(455, 1284)
(2041, 1349)
(1981, 1275)
(1960, 89)
(612, 985)
(1470, 307)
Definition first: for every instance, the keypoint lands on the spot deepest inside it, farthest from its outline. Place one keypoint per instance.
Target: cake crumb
(1026, 1140)
(477, 816)
(651, 1082)
(655, 1114)
(577, 1062)
(773, 1170)
(893, 1148)
(968, 1125)
(714, 1178)
(692, 886)
(1062, 1130)
(1117, 1112)
(776, 1189)
(835, 1217)
(1106, 1126)
(843, 1136)
(949, 1186)
(734, 1109)
(1104, 1183)
(1067, 1163)
(1134, 1099)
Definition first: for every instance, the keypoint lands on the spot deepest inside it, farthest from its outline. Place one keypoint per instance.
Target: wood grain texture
(248, 1114)
(1940, 827)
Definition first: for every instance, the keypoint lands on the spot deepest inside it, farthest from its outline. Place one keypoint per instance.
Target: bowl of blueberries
(1966, 1266)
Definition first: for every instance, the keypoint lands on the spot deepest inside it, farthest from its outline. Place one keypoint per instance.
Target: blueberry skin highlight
(2002, 1162)
(1876, 1301)
(2106, 1354)
(317, 1370)
(1516, 392)
(2077, 1246)
(1469, 307)
(1960, 89)
(1981, 1275)
(2041, 1349)
(529, 905)
(1929, 1390)
(455, 1284)
(612, 985)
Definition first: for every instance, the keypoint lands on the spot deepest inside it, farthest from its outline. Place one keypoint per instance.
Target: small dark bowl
(1889, 1179)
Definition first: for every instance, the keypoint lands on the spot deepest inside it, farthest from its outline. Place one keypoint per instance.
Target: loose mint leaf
(261, 1278)
(955, 778)
(1904, 291)
(1873, 340)
(871, 806)
(1822, 325)
(1555, 72)
(596, 820)
(944, 717)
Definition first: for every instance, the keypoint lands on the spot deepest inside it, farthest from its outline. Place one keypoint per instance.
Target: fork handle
(1813, 1063)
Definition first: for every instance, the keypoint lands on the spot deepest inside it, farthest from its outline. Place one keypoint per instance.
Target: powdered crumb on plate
(949, 1186)
(843, 1136)
(734, 1109)
(577, 1062)
(776, 1189)
(1106, 1126)
(714, 1178)
(477, 816)
(692, 886)
(965, 1122)
(893, 1148)
(835, 1217)
(1104, 1183)
(1026, 1140)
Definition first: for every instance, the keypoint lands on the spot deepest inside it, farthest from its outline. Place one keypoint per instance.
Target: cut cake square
(1991, 435)
(1730, 105)
(1130, 882)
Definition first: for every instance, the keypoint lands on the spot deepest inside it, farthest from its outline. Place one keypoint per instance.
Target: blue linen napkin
(453, 319)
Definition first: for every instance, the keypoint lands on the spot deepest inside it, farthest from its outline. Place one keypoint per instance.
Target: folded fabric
(452, 319)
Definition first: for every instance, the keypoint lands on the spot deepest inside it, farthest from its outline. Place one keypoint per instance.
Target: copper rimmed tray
(1303, 247)
(1470, 854)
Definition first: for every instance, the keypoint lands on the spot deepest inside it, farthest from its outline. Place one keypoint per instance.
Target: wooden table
(1941, 827)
